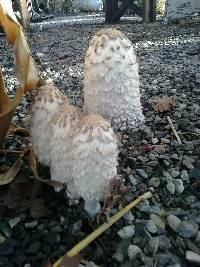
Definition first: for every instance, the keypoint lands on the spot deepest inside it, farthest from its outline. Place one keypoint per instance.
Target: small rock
(133, 250)
(133, 180)
(162, 259)
(192, 257)
(173, 222)
(188, 162)
(158, 222)
(151, 227)
(118, 256)
(165, 141)
(171, 187)
(188, 229)
(164, 242)
(14, 221)
(155, 182)
(30, 225)
(127, 232)
(154, 141)
(153, 245)
(179, 187)
(56, 229)
(129, 217)
(144, 206)
(190, 199)
(198, 237)
(184, 175)
(33, 248)
(167, 176)
(142, 173)
(194, 173)
(2, 239)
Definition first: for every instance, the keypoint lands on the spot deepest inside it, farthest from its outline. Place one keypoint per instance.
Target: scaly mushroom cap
(111, 79)
(47, 102)
(94, 150)
(64, 123)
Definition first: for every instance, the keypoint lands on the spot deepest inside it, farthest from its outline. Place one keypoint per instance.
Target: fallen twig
(91, 237)
(174, 130)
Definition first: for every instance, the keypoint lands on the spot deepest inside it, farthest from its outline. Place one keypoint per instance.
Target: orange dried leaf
(9, 176)
(164, 104)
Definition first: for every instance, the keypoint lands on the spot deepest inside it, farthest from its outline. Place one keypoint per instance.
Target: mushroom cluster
(80, 149)
(111, 80)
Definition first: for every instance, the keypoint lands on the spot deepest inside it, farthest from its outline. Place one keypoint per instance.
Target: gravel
(36, 224)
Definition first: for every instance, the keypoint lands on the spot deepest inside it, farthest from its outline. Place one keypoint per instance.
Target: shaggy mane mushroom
(111, 80)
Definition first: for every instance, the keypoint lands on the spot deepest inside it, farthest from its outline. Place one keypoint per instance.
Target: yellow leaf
(9, 176)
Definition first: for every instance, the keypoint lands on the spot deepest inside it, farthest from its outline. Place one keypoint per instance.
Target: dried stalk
(174, 130)
(91, 237)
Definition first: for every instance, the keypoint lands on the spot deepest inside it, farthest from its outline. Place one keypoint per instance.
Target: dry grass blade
(9, 176)
(85, 242)
(164, 104)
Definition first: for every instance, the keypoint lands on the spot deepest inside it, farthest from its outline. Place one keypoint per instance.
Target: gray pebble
(198, 237)
(133, 180)
(173, 222)
(187, 229)
(133, 250)
(155, 182)
(164, 242)
(118, 256)
(14, 221)
(171, 187)
(142, 173)
(127, 232)
(179, 187)
(154, 141)
(162, 259)
(151, 227)
(129, 217)
(158, 222)
(153, 245)
(31, 224)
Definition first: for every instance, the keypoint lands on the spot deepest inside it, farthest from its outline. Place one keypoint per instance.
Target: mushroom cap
(46, 103)
(94, 148)
(111, 79)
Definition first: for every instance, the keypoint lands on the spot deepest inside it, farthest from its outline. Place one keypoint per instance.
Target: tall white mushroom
(111, 79)
(46, 103)
(80, 149)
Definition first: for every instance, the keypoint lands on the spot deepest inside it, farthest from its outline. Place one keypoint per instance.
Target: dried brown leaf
(164, 104)
(115, 193)
(9, 176)
(14, 128)
(70, 261)
(48, 264)
(33, 165)
(4, 100)
(26, 70)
